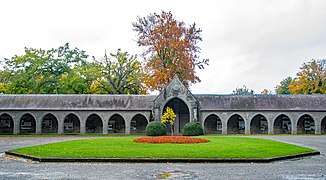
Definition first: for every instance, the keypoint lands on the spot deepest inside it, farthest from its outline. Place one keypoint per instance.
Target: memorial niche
(213, 125)
(306, 125)
(116, 124)
(94, 124)
(27, 124)
(49, 124)
(138, 124)
(6, 124)
(323, 125)
(259, 125)
(180, 108)
(71, 124)
(282, 125)
(236, 125)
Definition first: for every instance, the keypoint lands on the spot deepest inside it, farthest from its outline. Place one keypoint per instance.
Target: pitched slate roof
(145, 102)
(263, 102)
(76, 102)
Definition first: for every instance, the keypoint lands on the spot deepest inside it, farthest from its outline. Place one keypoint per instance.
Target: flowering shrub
(170, 139)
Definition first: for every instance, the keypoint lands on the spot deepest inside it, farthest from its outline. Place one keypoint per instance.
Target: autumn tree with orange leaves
(171, 48)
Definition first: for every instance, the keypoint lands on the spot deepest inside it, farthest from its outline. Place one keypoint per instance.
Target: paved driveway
(303, 168)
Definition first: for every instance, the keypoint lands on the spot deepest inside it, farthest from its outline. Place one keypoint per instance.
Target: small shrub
(155, 128)
(193, 129)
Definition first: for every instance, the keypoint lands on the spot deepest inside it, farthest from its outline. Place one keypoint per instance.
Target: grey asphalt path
(304, 168)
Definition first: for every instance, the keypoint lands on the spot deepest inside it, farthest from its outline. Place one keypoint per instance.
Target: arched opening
(27, 124)
(138, 124)
(6, 124)
(323, 125)
(282, 125)
(306, 125)
(116, 124)
(94, 124)
(181, 109)
(213, 125)
(259, 125)
(236, 125)
(71, 124)
(49, 124)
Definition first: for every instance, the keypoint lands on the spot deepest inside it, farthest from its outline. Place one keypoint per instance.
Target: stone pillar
(270, 126)
(105, 127)
(247, 125)
(61, 119)
(38, 124)
(82, 126)
(127, 125)
(224, 126)
(294, 129)
(318, 126)
(16, 124)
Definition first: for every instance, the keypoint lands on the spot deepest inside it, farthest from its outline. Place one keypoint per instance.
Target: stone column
(16, 124)
(318, 126)
(127, 125)
(38, 125)
(105, 127)
(247, 125)
(224, 126)
(270, 125)
(294, 129)
(82, 126)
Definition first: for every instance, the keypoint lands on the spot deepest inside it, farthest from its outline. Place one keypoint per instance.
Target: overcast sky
(252, 43)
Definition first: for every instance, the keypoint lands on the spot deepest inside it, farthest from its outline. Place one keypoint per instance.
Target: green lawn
(124, 147)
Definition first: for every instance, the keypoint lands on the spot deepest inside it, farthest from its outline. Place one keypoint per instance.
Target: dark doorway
(180, 108)
(27, 124)
(6, 124)
(49, 124)
(323, 125)
(94, 124)
(116, 124)
(306, 125)
(259, 125)
(213, 125)
(236, 125)
(71, 124)
(282, 125)
(138, 124)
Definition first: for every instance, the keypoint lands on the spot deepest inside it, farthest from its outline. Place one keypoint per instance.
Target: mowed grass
(124, 147)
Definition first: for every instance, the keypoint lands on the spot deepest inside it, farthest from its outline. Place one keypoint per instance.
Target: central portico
(181, 100)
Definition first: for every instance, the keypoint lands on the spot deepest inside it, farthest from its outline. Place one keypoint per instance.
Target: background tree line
(170, 48)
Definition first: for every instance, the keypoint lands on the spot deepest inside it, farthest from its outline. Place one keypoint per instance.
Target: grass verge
(219, 147)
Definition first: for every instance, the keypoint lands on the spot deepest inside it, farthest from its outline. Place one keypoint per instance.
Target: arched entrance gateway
(306, 125)
(181, 100)
(49, 124)
(259, 125)
(27, 124)
(94, 124)
(180, 108)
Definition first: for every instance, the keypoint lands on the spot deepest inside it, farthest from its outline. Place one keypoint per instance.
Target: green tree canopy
(283, 87)
(243, 91)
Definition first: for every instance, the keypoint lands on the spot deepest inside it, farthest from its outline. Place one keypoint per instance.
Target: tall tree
(311, 79)
(170, 48)
(283, 87)
(120, 74)
(243, 91)
(39, 71)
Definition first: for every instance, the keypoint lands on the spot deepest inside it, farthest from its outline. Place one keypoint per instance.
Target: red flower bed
(170, 139)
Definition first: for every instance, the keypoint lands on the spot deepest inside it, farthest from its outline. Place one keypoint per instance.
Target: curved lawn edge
(163, 160)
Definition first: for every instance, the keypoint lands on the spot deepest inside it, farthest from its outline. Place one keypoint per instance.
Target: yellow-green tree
(169, 117)
(311, 79)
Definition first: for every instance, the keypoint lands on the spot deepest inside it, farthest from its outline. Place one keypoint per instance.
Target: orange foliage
(171, 49)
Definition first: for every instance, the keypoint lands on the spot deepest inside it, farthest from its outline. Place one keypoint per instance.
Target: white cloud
(256, 43)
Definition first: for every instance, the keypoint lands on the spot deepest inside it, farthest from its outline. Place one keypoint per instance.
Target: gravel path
(304, 168)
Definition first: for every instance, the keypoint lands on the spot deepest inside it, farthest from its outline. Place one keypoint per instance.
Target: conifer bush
(193, 129)
(155, 128)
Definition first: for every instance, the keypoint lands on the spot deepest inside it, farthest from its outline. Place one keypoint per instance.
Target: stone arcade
(219, 114)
